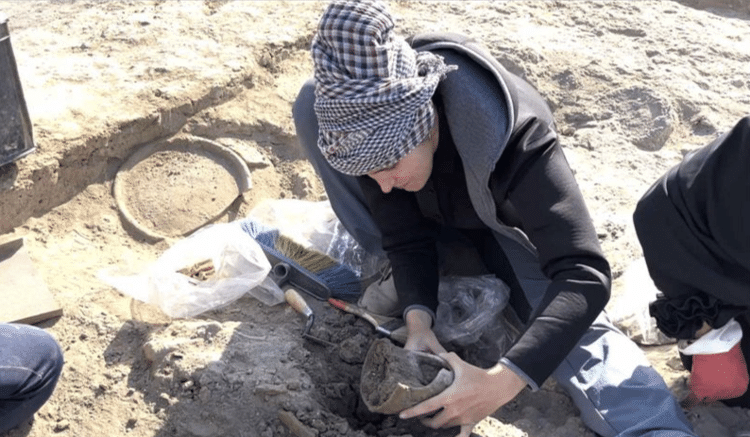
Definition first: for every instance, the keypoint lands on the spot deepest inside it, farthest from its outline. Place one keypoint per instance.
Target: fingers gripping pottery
(394, 379)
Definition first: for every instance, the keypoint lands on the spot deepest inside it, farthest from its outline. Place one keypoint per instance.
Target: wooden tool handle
(297, 302)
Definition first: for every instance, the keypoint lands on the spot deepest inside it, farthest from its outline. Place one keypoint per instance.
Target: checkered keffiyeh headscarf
(372, 90)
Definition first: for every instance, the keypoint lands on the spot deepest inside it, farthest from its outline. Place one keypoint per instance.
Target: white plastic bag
(237, 258)
(629, 310)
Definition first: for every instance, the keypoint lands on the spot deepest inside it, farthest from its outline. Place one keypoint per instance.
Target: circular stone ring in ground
(171, 188)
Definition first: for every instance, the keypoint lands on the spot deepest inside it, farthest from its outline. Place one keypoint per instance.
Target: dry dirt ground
(634, 86)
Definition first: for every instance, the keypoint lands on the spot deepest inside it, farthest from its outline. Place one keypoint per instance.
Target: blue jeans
(30, 365)
(608, 377)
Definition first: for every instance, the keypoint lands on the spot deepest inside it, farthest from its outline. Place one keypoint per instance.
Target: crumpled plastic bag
(239, 266)
(469, 318)
(629, 310)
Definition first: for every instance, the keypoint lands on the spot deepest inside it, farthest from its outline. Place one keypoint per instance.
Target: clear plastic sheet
(628, 310)
(470, 318)
(239, 267)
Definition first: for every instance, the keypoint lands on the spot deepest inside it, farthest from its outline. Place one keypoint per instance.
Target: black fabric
(497, 262)
(537, 184)
(445, 197)
(694, 226)
(683, 316)
(694, 222)
(409, 240)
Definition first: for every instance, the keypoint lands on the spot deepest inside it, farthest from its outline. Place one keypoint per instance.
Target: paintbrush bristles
(309, 259)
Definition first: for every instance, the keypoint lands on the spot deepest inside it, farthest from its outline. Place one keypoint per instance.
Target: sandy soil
(634, 86)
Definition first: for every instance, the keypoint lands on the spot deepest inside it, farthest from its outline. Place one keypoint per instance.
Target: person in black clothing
(430, 142)
(694, 227)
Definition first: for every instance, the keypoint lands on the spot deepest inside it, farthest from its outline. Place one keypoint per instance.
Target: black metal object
(284, 270)
(16, 138)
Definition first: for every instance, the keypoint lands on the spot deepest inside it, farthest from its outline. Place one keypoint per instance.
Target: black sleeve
(542, 189)
(409, 240)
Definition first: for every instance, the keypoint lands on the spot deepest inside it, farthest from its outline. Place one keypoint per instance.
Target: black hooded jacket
(499, 167)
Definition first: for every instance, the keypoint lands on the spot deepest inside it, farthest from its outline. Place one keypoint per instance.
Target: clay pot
(394, 379)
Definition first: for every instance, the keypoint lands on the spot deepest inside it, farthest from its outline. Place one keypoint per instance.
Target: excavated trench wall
(95, 92)
(33, 186)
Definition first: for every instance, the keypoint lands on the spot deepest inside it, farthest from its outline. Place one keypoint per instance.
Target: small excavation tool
(388, 329)
(298, 303)
(280, 274)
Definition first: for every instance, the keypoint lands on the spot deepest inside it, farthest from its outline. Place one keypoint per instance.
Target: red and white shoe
(719, 370)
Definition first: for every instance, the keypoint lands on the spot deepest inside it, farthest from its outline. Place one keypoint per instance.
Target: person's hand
(475, 394)
(420, 337)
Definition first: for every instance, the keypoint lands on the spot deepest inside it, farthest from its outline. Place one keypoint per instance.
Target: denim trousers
(609, 378)
(30, 364)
